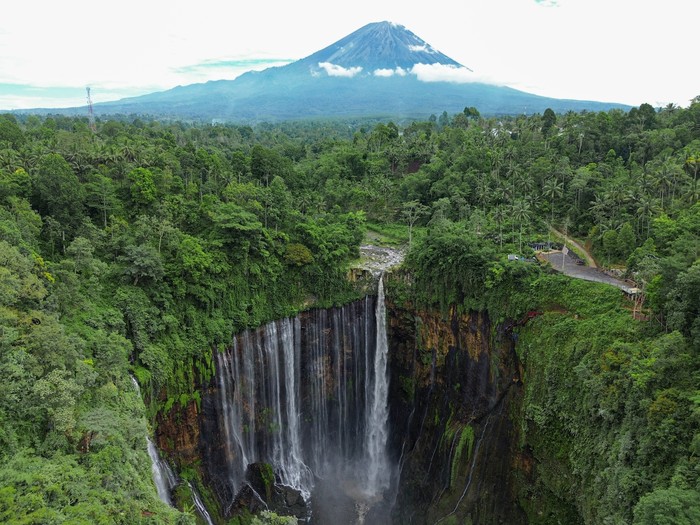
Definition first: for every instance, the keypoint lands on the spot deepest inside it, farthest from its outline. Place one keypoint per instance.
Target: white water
(295, 473)
(376, 428)
(163, 476)
(199, 505)
(136, 385)
(309, 396)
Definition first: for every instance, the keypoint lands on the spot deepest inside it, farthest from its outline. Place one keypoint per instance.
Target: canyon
(312, 416)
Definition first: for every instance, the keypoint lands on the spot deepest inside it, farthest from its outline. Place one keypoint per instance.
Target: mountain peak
(378, 46)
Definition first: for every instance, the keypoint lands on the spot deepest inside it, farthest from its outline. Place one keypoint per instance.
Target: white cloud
(548, 3)
(424, 47)
(334, 70)
(444, 73)
(399, 71)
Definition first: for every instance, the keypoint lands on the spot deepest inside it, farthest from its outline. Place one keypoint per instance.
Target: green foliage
(624, 394)
(143, 188)
(462, 453)
(58, 192)
(146, 244)
(270, 518)
(668, 507)
(10, 132)
(452, 267)
(297, 254)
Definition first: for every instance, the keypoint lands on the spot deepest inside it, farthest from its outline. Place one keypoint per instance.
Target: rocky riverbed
(378, 259)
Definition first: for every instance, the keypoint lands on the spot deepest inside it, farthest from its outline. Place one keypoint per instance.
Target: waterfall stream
(308, 395)
(165, 479)
(376, 428)
(199, 505)
(163, 476)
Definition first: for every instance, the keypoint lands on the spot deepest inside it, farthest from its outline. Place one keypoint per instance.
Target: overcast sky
(629, 51)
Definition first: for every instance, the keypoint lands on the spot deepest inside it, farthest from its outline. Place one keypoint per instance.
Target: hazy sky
(629, 51)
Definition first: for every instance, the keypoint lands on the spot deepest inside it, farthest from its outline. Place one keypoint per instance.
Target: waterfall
(376, 430)
(163, 476)
(199, 505)
(309, 396)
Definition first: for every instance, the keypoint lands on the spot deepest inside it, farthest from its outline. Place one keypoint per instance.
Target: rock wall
(455, 383)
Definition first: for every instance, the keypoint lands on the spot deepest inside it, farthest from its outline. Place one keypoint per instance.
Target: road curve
(590, 261)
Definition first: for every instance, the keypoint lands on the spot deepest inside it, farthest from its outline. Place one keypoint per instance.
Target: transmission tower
(91, 114)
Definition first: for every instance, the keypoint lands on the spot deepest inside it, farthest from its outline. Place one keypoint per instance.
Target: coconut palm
(521, 213)
(552, 190)
(499, 215)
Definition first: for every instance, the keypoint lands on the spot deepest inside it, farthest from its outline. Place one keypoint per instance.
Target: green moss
(143, 375)
(464, 446)
(407, 387)
(268, 477)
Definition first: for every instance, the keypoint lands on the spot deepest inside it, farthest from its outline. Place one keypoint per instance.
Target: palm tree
(645, 209)
(666, 173)
(28, 158)
(598, 207)
(499, 215)
(9, 160)
(513, 173)
(521, 213)
(483, 190)
(552, 189)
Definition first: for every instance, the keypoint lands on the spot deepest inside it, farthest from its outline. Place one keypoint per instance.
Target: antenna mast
(91, 114)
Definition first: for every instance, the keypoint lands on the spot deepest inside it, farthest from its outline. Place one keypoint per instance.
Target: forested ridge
(137, 248)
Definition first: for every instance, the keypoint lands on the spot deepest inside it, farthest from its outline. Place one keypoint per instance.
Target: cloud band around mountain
(423, 72)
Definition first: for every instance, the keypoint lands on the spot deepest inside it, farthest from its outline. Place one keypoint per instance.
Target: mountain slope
(380, 70)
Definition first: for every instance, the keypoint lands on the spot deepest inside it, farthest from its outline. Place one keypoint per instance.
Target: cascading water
(376, 429)
(163, 476)
(199, 505)
(308, 395)
(165, 479)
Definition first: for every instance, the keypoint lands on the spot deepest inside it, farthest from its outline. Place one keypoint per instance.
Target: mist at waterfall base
(308, 395)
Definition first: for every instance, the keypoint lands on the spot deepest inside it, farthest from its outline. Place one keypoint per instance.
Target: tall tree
(58, 192)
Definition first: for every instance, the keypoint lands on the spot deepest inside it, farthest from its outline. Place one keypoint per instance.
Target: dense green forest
(137, 247)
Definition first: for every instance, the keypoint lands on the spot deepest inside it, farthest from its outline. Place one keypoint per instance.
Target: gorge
(370, 413)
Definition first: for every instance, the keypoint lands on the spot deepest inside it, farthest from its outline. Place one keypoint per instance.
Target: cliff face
(178, 433)
(453, 389)
(454, 385)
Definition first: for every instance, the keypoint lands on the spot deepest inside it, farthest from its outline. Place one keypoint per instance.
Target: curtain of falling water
(309, 396)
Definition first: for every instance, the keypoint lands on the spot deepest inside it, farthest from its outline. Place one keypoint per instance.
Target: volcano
(382, 70)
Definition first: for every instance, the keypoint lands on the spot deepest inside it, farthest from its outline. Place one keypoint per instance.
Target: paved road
(567, 265)
(589, 258)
